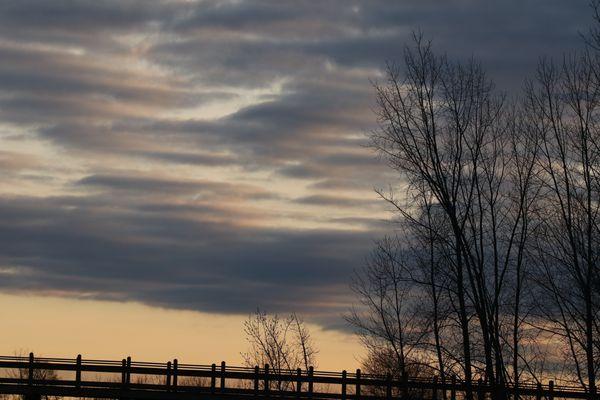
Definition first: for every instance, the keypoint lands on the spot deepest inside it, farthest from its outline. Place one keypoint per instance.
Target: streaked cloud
(210, 155)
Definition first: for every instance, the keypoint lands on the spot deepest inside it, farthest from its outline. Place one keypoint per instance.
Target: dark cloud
(142, 185)
(80, 246)
(86, 22)
(338, 201)
(192, 158)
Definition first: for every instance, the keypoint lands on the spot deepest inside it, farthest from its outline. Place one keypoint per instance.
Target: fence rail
(34, 377)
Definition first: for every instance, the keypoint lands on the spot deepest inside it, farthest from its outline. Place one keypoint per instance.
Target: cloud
(75, 246)
(211, 159)
(330, 200)
(152, 187)
(210, 155)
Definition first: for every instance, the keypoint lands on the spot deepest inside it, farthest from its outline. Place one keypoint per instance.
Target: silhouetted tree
(564, 107)
(283, 343)
(388, 320)
(442, 127)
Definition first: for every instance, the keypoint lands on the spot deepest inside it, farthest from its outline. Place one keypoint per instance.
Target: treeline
(494, 271)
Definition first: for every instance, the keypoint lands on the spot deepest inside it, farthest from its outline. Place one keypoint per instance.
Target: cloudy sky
(193, 160)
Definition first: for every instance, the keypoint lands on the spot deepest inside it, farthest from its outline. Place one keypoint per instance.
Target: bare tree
(388, 320)
(564, 107)
(437, 124)
(525, 188)
(283, 343)
(304, 342)
(409, 138)
(465, 152)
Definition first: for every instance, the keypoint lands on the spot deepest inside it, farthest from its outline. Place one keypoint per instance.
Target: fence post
(32, 395)
(267, 385)
(298, 382)
(30, 370)
(213, 378)
(78, 371)
(310, 382)
(388, 387)
(168, 380)
(222, 383)
(357, 391)
(256, 372)
(434, 390)
(453, 389)
(404, 385)
(123, 372)
(128, 376)
(538, 392)
(344, 373)
(175, 372)
(551, 390)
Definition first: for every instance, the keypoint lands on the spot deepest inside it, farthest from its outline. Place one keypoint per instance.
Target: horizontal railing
(36, 376)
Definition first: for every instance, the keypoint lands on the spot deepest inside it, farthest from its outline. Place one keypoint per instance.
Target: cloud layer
(209, 155)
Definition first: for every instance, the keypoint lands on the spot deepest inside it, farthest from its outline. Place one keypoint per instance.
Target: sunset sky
(170, 166)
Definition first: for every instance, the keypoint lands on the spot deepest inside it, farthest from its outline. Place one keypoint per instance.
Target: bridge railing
(80, 377)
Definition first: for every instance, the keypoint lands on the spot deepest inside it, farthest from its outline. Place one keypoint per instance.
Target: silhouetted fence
(49, 377)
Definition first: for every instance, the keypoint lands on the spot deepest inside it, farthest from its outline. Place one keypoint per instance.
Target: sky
(170, 166)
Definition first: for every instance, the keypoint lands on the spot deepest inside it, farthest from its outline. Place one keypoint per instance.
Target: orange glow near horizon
(60, 327)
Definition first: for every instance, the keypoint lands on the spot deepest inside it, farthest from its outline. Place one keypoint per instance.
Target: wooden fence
(34, 378)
